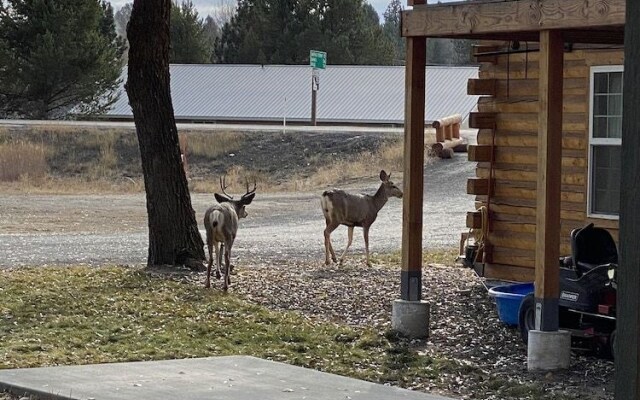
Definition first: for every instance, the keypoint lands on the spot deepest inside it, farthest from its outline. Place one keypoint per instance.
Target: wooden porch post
(548, 185)
(411, 275)
(628, 337)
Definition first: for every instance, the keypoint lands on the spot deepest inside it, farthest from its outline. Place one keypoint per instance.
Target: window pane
(615, 82)
(615, 127)
(600, 105)
(600, 84)
(605, 180)
(615, 105)
(600, 127)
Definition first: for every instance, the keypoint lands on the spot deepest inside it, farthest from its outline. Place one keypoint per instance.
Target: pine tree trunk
(173, 231)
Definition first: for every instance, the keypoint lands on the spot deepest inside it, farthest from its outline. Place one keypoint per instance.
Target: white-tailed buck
(342, 208)
(221, 225)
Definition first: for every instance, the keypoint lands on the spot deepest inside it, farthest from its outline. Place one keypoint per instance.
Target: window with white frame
(605, 140)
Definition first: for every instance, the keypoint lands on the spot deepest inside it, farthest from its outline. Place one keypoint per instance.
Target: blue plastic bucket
(508, 299)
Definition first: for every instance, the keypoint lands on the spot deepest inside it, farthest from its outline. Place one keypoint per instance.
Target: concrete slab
(220, 378)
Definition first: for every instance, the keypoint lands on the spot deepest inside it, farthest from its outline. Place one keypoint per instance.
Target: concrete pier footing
(548, 351)
(411, 318)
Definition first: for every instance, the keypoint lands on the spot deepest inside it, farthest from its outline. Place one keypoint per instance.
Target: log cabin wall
(508, 117)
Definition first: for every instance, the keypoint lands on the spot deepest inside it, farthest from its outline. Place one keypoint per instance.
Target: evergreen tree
(463, 50)
(189, 41)
(211, 33)
(122, 18)
(192, 39)
(55, 56)
(283, 32)
(449, 51)
(439, 51)
(391, 28)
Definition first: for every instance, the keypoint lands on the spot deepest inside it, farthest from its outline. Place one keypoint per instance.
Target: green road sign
(318, 59)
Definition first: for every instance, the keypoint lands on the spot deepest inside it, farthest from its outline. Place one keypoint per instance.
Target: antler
(223, 187)
(250, 191)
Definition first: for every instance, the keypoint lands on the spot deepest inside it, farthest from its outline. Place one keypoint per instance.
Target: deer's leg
(219, 248)
(350, 236)
(207, 282)
(227, 270)
(219, 259)
(365, 231)
(328, 249)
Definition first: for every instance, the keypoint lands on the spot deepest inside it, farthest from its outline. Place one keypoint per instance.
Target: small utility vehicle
(587, 304)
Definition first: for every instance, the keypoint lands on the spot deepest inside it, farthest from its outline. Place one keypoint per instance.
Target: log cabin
(506, 153)
(551, 162)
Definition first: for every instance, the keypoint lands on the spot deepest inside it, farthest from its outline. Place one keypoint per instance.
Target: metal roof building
(271, 93)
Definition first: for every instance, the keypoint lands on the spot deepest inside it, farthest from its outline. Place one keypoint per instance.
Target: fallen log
(446, 148)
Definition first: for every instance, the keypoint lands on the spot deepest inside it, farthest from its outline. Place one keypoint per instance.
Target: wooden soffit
(582, 21)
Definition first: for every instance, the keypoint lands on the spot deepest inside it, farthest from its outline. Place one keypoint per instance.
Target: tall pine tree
(283, 32)
(190, 43)
(56, 56)
(391, 30)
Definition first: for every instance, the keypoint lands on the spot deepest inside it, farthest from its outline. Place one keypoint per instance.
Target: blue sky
(206, 7)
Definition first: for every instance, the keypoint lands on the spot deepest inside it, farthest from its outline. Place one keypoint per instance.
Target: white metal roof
(347, 94)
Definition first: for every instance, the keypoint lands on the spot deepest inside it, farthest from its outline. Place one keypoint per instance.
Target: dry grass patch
(366, 165)
(212, 144)
(72, 159)
(22, 160)
(56, 185)
(236, 179)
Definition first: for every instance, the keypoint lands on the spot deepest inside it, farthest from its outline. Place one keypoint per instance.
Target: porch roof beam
(582, 21)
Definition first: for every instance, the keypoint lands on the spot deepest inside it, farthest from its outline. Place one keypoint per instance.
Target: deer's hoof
(207, 285)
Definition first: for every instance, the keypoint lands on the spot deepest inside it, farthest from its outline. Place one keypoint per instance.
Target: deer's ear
(220, 198)
(246, 200)
(383, 176)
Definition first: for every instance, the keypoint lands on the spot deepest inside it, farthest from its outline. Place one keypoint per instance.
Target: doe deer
(221, 225)
(342, 208)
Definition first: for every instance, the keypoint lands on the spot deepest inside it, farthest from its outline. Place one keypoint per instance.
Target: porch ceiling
(581, 21)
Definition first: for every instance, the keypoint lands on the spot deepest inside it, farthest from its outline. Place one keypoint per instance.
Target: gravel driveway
(112, 229)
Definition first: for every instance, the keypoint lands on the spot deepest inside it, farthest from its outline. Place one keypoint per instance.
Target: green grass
(80, 315)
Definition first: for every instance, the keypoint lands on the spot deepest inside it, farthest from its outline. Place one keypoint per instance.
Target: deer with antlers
(342, 208)
(221, 225)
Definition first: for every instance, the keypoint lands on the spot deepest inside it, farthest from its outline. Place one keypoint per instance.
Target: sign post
(318, 61)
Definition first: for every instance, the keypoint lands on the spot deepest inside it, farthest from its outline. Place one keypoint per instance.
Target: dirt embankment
(113, 153)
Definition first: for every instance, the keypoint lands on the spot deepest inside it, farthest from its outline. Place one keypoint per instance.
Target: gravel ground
(111, 229)
(464, 326)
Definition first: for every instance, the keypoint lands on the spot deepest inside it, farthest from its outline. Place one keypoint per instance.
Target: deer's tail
(217, 218)
(213, 219)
